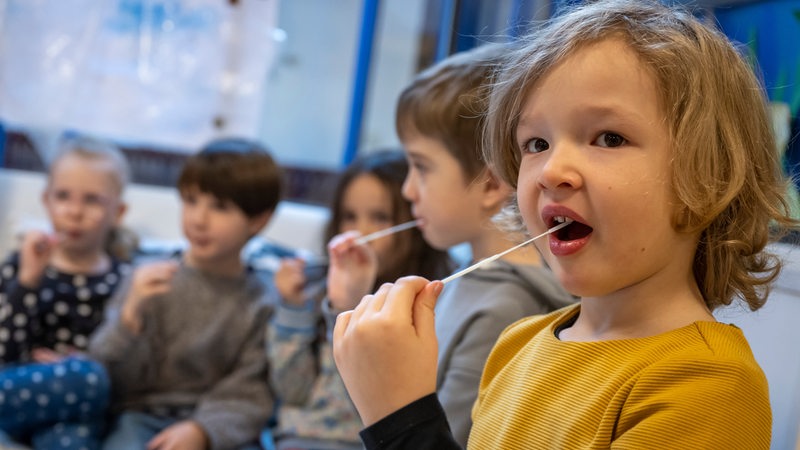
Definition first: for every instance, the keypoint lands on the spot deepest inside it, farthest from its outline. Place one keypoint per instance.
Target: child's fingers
(376, 304)
(341, 325)
(364, 309)
(404, 291)
(45, 355)
(423, 309)
(36, 242)
(342, 242)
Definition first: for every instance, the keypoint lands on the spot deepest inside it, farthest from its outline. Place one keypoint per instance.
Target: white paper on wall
(173, 73)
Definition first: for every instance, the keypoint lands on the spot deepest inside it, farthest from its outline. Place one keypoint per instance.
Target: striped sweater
(694, 387)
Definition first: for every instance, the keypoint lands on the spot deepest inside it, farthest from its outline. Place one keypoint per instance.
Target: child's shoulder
(709, 347)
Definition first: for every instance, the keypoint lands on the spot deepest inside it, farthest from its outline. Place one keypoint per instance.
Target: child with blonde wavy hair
(648, 132)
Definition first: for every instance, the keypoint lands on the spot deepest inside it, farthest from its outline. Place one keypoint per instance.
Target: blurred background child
(315, 410)
(183, 342)
(53, 292)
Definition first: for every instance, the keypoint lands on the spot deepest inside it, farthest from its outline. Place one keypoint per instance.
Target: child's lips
(570, 239)
(70, 234)
(199, 241)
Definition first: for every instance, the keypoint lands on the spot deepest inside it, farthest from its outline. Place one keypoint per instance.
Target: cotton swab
(386, 232)
(469, 269)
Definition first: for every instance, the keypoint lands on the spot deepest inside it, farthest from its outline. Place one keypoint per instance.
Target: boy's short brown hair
(448, 101)
(237, 170)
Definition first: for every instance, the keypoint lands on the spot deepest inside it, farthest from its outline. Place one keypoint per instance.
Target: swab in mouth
(387, 232)
(469, 269)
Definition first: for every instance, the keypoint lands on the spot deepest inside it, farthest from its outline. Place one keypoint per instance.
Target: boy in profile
(183, 343)
(458, 198)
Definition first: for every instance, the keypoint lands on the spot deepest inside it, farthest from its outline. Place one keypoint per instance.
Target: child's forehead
(196, 190)
(597, 68)
(104, 172)
(419, 145)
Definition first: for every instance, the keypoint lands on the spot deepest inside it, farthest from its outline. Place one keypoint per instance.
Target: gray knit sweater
(200, 356)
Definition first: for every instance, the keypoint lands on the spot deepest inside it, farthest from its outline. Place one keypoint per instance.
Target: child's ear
(258, 222)
(122, 208)
(496, 191)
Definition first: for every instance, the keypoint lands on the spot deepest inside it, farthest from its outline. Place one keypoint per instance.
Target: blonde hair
(725, 173)
(121, 242)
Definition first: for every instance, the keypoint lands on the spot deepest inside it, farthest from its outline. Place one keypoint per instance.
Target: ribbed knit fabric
(697, 387)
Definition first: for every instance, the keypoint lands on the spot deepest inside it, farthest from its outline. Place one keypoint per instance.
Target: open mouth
(575, 230)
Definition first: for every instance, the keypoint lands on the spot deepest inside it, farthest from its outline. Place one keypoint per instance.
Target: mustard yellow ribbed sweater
(697, 387)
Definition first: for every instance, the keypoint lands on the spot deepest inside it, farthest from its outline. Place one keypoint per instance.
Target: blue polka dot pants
(55, 406)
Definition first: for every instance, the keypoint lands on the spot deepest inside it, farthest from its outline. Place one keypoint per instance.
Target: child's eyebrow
(625, 115)
(413, 154)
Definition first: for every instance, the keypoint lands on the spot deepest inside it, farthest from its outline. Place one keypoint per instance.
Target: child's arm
(121, 347)
(291, 334)
(19, 313)
(185, 434)
(148, 281)
(290, 281)
(386, 353)
(386, 348)
(353, 270)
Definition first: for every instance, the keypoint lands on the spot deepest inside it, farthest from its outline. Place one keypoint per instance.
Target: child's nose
(366, 227)
(198, 215)
(560, 169)
(409, 189)
(74, 208)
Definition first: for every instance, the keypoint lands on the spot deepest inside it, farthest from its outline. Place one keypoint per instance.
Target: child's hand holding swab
(388, 341)
(352, 271)
(34, 256)
(354, 266)
(387, 344)
(290, 280)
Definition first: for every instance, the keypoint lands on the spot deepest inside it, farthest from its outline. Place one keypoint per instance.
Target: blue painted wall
(771, 31)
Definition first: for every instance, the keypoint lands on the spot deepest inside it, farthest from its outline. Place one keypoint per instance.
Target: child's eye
(94, 200)
(610, 140)
(535, 145)
(419, 167)
(381, 218)
(189, 198)
(222, 205)
(348, 217)
(60, 195)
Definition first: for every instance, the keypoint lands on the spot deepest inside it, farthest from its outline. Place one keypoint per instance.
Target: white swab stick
(386, 232)
(469, 269)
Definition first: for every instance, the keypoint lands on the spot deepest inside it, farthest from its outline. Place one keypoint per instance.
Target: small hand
(386, 348)
(185, 435)
(352, 272)
(148, 280)
(34, 256)
(290, 280)
(46, 355)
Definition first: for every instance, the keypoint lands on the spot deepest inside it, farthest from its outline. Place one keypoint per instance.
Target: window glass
(395, 59)
(306, 102)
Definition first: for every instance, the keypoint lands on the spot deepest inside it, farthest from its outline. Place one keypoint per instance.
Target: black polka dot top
(60, 315)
